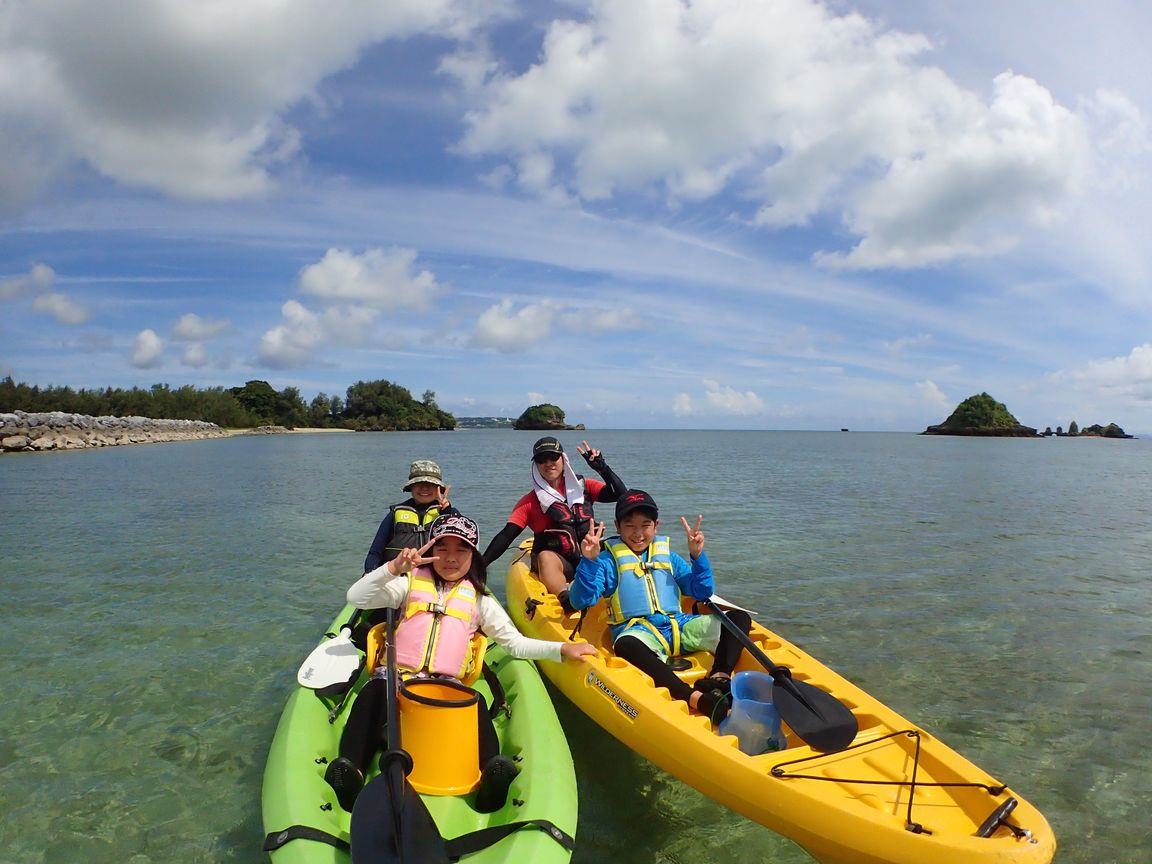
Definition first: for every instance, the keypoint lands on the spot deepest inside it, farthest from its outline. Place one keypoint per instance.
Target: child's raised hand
(410, 558)
(590, 545)
(442, 497)
(577, 651)
(695, 536)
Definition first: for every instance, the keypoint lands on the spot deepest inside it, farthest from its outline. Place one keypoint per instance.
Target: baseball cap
(635, 499)
(423, 471)
(546, 445)
(456, 525)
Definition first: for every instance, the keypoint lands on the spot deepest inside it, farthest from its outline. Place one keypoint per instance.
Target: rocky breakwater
(56, 430)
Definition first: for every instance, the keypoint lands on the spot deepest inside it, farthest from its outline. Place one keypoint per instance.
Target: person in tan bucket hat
(407, 523)
(406, 526)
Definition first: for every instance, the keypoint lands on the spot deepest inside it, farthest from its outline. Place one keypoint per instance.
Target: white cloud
(148, 350)
(727, 400)
(1130, 375)
(36, 284)
(933, 396)
(508, 329)
(897, 346)
(682, 405)
(799, 110)
(192, 328)
(982, 168)
(195, 356)
(599, 320)
(502, 329)
(1122, 135)
(375, 281)
(378, 278)
(40, 278)
(293, 341)
(63, 309)
(349, 325)
(186, 98)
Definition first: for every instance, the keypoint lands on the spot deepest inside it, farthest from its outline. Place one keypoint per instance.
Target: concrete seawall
(56, 430)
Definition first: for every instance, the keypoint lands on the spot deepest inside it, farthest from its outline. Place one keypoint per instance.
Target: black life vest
(409, 528)
(569, 525)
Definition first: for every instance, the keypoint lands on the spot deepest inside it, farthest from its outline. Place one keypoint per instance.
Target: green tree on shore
(382, 405)
(214, 404)
(371, 405)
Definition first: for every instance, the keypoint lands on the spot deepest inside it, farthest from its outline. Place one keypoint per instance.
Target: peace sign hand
(590, 545)
(442, 498)
(592, 456)
(695, 536)
(411, 558)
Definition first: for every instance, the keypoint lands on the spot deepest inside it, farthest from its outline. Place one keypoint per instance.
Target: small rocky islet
(981, 415)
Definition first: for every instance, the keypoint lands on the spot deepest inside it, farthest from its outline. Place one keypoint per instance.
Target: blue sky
(768, 214)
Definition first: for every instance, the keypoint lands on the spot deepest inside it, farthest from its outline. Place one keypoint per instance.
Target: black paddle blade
(392, 825)
(820, 719)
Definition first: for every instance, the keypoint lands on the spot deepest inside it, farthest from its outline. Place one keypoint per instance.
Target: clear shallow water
(158, 599)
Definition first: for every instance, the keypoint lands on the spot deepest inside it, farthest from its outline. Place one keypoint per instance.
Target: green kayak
(306, 825)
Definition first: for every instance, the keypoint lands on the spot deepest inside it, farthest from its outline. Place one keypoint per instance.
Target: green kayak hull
(296, 794)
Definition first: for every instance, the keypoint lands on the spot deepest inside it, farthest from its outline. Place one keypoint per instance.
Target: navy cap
(546, 445)
(635, 499)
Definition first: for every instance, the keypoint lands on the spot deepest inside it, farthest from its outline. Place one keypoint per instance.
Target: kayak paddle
(390, 821)
(816, 716)
(331, 662)
(728, 604)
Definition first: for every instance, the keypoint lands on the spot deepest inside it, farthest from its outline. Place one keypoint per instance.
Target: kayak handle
(999, 817)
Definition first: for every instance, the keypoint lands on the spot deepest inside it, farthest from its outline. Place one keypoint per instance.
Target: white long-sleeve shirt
(379, 589)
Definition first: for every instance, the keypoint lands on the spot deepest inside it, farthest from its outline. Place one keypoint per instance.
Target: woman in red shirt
(559, 512)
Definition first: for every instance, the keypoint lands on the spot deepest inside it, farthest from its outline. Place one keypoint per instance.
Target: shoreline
(26, 432)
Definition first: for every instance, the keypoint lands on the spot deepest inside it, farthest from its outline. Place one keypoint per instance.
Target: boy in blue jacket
(644, 581)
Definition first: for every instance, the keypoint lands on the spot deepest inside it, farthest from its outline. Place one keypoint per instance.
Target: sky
(748, 214)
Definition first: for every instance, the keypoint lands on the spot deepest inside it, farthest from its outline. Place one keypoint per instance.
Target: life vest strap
(671, 650)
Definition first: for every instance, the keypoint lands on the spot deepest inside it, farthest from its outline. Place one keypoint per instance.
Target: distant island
(1093, 431)
(981, 415)
(545, 418)
(484, 422)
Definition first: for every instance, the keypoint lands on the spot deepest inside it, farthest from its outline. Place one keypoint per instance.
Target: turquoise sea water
(158, 599)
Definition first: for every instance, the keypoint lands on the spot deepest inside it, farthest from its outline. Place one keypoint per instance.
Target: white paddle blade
(727, 604)
(331, 662)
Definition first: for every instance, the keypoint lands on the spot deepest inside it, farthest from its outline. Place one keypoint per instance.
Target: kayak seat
(377, 646)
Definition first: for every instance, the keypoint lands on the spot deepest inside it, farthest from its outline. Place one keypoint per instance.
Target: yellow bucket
(438, 728)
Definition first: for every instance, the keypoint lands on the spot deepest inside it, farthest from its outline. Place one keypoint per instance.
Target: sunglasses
(545, 457)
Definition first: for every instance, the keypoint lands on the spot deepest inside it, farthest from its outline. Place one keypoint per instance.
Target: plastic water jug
(753, 719)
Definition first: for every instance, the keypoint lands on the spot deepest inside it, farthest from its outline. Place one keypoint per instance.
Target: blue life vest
(645, 588)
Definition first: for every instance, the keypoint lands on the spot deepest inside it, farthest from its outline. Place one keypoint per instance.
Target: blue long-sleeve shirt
(599, 578)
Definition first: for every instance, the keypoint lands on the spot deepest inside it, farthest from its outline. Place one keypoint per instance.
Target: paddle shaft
(391, 823)
(351, 623)
(746, 640)
(393, 707)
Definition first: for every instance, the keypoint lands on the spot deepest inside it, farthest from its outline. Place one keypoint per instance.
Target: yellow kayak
(894, 795)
